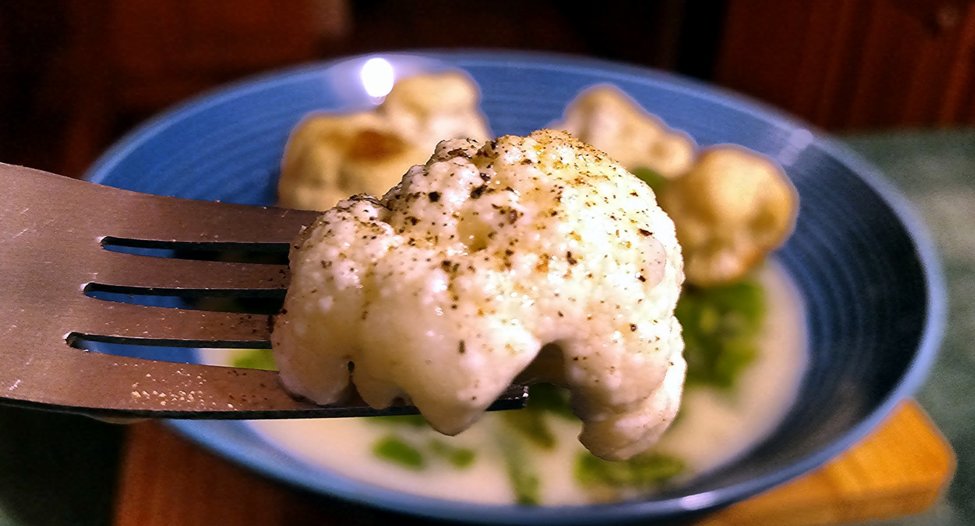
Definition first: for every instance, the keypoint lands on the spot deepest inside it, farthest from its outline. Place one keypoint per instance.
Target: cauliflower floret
(332, 156)
(436, 106)
(445, 290)
(606, 118)
(731, 209)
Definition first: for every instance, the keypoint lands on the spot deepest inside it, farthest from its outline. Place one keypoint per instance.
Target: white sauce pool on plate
(717, 427)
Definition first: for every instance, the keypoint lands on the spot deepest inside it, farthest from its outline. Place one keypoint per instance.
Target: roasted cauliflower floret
(731, 209)
(330, 156)
(606, 118)
(436, 106)
(445, 290)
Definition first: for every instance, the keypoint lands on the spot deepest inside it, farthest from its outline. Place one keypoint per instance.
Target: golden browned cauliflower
(606, 118)
(731, 209)
(330, 156)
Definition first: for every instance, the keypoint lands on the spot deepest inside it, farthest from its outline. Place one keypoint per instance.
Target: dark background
(75, 74)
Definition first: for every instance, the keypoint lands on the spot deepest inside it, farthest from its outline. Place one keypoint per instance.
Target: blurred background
(893, 78)
(75, 74)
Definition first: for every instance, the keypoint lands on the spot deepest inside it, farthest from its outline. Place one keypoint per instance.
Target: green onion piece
(531, 425)
(255, 359)
(643, 471)
(459, 457)
(393, 449)
(722, 326)
(525, 482)
(650, 176)
(551, 399)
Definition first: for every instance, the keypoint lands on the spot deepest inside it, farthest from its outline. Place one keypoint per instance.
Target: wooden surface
(900, 469)
(854, 64)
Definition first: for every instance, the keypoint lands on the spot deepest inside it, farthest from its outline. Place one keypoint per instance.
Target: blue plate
(863, 262)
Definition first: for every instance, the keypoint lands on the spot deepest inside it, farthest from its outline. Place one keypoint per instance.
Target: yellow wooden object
(900, 469)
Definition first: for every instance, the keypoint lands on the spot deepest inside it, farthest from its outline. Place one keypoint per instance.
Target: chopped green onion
(550, 398)
(524, 481)
(394, 449)
(722, 325)
(459, 457)
(650, 176)
(531, 423)
(643, 471)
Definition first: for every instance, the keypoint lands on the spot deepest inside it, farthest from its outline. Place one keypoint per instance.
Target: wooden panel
(900, 469)
(163, 51)
(848, 64)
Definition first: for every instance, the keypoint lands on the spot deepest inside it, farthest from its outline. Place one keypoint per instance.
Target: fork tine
(107, 385)
(152, 220)
(129, 273)
(156, 220)
(56, 223)
(108, 321)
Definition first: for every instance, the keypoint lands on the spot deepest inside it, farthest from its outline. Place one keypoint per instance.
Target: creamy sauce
(716, 428)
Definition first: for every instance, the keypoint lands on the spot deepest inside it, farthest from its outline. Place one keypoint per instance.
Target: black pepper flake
(434, 196)
(633, 327)
(570, 258)
(449, 266)
(461, 349)
(645, 232)
(642, 278)
(477, 192)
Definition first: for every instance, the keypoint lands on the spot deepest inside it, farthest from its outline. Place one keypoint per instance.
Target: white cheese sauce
(717, 427)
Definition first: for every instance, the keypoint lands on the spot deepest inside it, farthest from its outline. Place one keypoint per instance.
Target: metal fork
(55, 235)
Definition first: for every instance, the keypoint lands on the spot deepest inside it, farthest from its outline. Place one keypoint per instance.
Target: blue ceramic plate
(863, 263)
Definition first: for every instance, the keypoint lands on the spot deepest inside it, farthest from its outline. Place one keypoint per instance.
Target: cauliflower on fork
(489, 256)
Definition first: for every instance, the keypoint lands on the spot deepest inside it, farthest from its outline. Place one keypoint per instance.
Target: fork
(72, 253)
